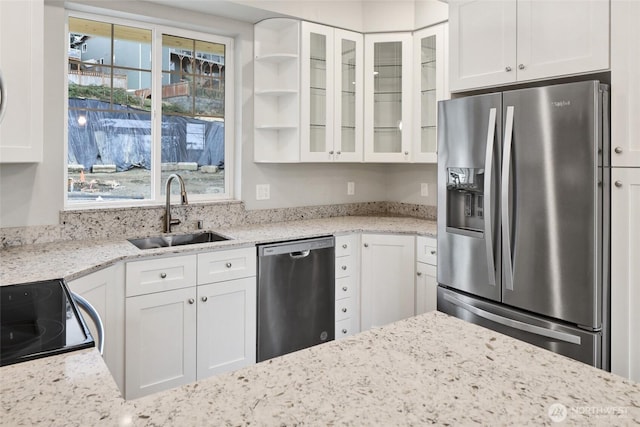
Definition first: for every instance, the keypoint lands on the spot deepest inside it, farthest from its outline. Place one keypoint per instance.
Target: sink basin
(177, 240)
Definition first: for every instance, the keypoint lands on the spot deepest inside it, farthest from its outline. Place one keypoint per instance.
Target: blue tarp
(123, 138)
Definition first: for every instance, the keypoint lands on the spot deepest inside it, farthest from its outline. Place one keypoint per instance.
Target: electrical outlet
(424, 189)
(262, 192)
(351, 188)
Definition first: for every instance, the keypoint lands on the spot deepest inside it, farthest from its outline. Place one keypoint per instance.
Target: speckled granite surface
(144, 221)
(430, 369)
(71, 259)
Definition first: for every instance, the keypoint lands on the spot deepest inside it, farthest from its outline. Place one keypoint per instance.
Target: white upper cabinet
(500, 42)
(21, 81)
(388, 71)
(349, 96)
(429, 88)
(331, 94)
(277, 91)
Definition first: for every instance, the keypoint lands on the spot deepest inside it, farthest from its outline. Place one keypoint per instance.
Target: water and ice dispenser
(465, 200)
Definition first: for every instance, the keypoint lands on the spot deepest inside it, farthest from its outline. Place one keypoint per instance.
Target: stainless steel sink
(178, 240)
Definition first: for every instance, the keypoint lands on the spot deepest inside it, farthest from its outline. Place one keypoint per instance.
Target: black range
(39, 319)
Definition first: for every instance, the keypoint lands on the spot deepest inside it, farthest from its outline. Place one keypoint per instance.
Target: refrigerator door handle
(488, 214)
(3, 98)
(506, 218)
(515, 324)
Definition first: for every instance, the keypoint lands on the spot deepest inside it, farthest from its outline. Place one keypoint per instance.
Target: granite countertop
(429, 369)
(72, 259)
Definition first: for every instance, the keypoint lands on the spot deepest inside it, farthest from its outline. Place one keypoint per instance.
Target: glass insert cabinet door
(429, 88)
(331, 94)
(388, 106)
(317, 81)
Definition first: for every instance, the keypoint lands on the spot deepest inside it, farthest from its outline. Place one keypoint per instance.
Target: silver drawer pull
(229, 265)
(344, 288)
(163, 275)
(344, 267)
(433, 252)
(204, 299)
(344, 331)
(344, 309)
(344, 246)
(191, 300)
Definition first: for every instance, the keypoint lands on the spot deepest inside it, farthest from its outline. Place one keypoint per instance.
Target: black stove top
(39, 319)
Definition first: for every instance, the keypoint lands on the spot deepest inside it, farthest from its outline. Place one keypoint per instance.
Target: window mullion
(156, 103)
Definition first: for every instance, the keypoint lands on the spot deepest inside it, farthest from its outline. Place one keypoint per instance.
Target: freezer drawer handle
(300, 254)
(488, 215)
(516, 324)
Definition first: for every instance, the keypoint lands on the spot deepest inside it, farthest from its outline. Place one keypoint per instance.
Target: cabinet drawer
(426, 250)
(344, 265)
(344, 287)
(344, 245)
(162, 274)
(344, 328)
(344, 309)
(226, 265)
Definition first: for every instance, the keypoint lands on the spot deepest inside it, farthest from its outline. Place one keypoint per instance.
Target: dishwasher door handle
(299, 254)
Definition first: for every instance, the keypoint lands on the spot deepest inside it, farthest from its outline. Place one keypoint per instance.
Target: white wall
(430, 12)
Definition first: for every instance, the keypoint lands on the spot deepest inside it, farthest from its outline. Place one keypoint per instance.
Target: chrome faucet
(168, 222)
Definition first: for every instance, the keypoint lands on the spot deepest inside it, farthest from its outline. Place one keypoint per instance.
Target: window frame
(158, 30)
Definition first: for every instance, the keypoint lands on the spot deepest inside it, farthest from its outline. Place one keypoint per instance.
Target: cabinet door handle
(507, 69)
(344, 246)
(618, 184)
(366, 245)
(344, 310)
(344, 331)
(229, 265)
(419, 273)
(338, 152)
(331, 152)
(433, 252)
(344, 267)
(204, 299)
(618, 150)
(344, 288)
(163, 275)
(406, 153)
(521, 67)
(191, 300)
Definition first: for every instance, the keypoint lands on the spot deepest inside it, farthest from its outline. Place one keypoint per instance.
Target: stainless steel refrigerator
(523, 215)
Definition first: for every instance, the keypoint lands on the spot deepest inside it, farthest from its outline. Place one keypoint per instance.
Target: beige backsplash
(145, 221)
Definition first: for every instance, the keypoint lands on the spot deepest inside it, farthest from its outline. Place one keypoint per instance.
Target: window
(145, 102)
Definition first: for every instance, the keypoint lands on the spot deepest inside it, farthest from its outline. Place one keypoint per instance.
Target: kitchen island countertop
(72, 259)
(429, 369)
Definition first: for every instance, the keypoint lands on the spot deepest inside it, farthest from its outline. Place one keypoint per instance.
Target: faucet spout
(168, 221)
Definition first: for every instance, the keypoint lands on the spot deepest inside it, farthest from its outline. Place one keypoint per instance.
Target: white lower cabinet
(387, 279)
(206, 327)
(625, 272)
(426, 278)
(161, 341)
(226, 326)
(347, 314)
(104, 289)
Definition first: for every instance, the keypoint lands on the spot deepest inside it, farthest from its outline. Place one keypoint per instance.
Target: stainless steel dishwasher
(296, 295)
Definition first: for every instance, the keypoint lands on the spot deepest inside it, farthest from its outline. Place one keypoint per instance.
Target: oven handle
(93, 313)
